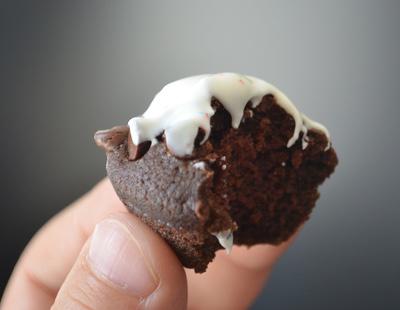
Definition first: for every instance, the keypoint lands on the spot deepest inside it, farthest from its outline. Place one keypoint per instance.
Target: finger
(50, 255)
(233, 281)
(124, 265)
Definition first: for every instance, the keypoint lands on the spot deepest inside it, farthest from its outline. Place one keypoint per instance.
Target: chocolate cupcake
(218, 160)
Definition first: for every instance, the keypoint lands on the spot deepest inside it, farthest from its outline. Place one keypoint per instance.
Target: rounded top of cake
(183, 107)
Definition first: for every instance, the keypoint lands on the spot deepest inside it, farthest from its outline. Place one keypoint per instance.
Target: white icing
(310, 124)
(283, 164)
(225, 239)
(200, 165)
(223, 167)
(184, 106)
(304, 142)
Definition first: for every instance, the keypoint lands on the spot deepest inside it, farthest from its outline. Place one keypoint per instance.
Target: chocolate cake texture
(242, 185)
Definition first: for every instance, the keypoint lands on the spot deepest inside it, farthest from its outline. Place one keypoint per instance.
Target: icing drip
(310, 124)
(184, 106)
(200, 165)
(225, 239)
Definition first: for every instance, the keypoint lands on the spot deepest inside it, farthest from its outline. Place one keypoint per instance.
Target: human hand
(96, 255)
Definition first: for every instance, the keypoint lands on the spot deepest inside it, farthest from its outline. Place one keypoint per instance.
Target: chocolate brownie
(243, 185)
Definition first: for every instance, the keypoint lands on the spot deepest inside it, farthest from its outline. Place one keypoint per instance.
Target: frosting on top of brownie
(184, 106)
(225, 239)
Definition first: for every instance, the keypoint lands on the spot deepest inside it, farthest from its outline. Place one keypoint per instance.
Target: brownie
(244, 180)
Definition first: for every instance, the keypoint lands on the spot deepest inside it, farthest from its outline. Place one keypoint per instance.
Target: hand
(96, 255)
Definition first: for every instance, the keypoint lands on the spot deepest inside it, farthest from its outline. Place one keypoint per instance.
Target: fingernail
(115, 254)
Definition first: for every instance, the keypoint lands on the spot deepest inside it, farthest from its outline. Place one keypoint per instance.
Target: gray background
(68, 68)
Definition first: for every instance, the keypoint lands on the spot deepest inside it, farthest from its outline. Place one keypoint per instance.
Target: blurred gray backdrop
(68, 68)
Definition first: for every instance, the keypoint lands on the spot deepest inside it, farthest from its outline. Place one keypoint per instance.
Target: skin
(53, 271)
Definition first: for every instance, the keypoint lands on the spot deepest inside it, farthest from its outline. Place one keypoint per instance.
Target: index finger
(234, 281)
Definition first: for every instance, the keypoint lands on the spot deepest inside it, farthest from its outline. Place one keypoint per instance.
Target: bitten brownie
(241, 183)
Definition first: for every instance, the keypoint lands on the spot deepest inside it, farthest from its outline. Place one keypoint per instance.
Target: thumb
(124, 265)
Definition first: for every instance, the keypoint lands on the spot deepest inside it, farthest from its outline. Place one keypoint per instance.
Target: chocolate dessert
(218, 160)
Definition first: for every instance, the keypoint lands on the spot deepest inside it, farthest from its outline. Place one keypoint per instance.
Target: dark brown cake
(246, 180)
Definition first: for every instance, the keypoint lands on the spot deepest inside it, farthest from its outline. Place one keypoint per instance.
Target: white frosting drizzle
(200, 165)
(310, 124)
(225, 239)
(184, 106)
